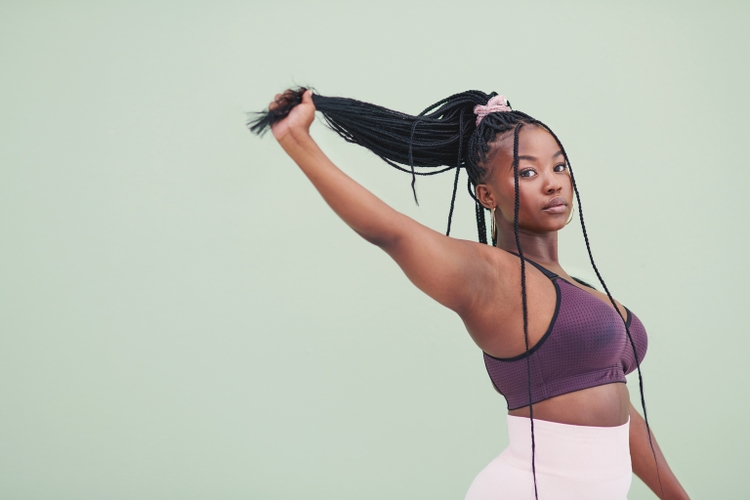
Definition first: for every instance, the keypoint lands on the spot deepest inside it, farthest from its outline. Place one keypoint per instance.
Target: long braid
(481, 226)
(453, 202)
(612, 301)
(411, 161)
(458, 171)
(524, 307)
(494, 233)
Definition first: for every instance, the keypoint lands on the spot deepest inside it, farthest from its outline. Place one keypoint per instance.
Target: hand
(299, 119)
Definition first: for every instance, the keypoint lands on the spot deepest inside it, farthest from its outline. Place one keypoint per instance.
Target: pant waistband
(597, 453)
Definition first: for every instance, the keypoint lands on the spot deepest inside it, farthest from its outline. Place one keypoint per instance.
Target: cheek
(507, 202)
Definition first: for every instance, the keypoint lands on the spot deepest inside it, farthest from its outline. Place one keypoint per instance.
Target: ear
(485, 196)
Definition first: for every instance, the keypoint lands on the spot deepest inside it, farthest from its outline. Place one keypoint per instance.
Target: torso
(499, 333)
(601, 406)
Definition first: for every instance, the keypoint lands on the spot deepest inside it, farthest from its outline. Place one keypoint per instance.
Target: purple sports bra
(584, 346)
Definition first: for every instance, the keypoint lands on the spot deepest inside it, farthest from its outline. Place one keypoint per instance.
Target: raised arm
(643, 461)
(447, 269)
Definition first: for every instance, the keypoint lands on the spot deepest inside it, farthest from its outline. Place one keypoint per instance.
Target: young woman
(556, 348)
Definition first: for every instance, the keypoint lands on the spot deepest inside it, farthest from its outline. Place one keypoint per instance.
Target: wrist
(297, 141)
(294, 136)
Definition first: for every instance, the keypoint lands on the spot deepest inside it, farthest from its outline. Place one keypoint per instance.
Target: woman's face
(546, 192)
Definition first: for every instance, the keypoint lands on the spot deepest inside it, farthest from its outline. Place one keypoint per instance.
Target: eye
(527, 172)
(562, 167)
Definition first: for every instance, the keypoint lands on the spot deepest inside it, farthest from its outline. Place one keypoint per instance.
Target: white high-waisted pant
(573, 462)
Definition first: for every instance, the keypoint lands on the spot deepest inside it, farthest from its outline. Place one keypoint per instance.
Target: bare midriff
(601, 406)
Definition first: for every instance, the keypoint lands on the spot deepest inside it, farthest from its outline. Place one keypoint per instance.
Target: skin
(480, 282)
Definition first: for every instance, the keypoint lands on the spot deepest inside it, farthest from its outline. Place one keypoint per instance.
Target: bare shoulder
(500, 277)
(498, 265)
(504, 264)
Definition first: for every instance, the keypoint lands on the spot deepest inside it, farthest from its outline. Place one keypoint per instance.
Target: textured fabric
(497, 104)
(585, 345)
(573, 462)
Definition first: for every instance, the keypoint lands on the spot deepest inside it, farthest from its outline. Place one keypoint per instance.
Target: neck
(539, 247)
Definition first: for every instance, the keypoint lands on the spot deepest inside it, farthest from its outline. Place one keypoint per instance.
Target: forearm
(643, 462)
(359, 208)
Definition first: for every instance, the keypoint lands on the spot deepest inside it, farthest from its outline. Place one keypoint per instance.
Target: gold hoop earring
(570, 219)
(493, 225)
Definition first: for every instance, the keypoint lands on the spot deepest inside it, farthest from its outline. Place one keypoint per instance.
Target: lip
(556, 205)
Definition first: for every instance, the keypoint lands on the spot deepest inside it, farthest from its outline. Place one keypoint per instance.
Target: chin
(555, 226)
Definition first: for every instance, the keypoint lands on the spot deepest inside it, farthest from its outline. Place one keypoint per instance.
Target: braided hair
(443, 137)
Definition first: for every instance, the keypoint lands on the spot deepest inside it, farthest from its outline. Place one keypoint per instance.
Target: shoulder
(500, 264)
(499, 281)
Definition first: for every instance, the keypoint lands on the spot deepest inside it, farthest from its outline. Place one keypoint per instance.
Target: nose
(552, 183)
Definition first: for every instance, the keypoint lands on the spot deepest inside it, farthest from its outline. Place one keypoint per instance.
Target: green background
(181, 316)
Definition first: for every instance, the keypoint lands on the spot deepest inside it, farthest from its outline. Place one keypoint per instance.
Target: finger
(275, 103)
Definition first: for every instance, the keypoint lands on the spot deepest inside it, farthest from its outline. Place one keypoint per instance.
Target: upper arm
(452, 271)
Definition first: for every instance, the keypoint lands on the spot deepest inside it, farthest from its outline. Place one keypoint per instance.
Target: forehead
(530, 138)
(533, 141)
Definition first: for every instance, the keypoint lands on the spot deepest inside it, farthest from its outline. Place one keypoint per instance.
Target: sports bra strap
(544, 271)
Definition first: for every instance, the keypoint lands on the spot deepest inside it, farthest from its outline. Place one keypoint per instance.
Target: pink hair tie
(498, 104)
